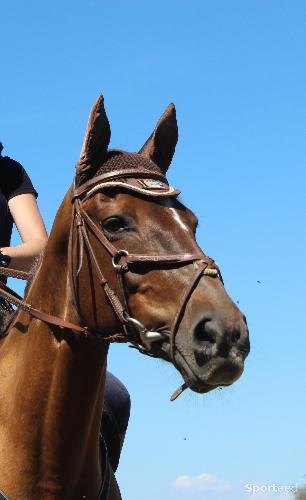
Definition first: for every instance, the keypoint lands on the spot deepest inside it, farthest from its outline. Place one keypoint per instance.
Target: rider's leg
(115, 417)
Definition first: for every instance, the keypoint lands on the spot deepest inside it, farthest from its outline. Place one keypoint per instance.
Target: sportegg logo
(270, 488)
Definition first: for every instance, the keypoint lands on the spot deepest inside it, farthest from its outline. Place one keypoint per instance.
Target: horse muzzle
(212, 355)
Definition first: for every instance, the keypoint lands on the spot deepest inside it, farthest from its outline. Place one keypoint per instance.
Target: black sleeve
(13, 179)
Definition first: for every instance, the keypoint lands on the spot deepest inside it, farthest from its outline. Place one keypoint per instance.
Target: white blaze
(177, 218)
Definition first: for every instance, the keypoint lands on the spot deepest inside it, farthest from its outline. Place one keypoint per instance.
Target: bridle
(132, 330)
(123, 262)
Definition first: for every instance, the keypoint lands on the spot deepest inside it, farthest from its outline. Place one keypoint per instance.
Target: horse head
(122, 265)
(137, 272)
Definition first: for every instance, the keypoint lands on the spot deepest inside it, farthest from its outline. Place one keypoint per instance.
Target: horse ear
(161, 144)
(96, 141)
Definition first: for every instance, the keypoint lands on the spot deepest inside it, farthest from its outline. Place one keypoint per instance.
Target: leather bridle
(123, 261)
(132, 330)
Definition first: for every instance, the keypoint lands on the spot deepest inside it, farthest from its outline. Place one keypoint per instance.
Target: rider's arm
(30, 225)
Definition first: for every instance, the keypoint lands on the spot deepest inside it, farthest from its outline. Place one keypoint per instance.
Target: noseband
(123, 262)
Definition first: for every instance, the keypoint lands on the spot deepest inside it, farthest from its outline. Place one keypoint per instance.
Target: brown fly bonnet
(142, 172)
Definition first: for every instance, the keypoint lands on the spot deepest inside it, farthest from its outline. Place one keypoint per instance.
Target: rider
(18, 205)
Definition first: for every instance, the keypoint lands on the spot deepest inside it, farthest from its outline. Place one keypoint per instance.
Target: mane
(7, 312)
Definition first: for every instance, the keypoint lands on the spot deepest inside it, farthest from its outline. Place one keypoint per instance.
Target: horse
(121, 265)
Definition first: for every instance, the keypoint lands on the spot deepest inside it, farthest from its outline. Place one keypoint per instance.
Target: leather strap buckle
(116, 260)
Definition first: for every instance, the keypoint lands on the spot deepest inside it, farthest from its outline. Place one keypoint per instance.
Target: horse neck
(50, 290)
(52, 398)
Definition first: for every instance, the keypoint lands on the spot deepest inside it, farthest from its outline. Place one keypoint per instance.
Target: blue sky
(236, 71)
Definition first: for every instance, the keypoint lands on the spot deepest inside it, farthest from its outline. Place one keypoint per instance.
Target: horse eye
(114, 224)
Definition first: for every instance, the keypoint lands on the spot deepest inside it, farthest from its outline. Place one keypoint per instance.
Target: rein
(15, 299)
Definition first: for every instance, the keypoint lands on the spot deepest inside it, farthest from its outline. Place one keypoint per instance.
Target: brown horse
(121, 264)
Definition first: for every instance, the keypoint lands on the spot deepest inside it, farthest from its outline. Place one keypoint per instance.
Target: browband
(140, 181)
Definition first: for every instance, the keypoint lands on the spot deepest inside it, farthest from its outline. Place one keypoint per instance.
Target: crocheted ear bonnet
(117, 160)
(143, 172)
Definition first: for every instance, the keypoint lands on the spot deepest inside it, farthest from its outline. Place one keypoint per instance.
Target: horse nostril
(235, 336)
(204, 332)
